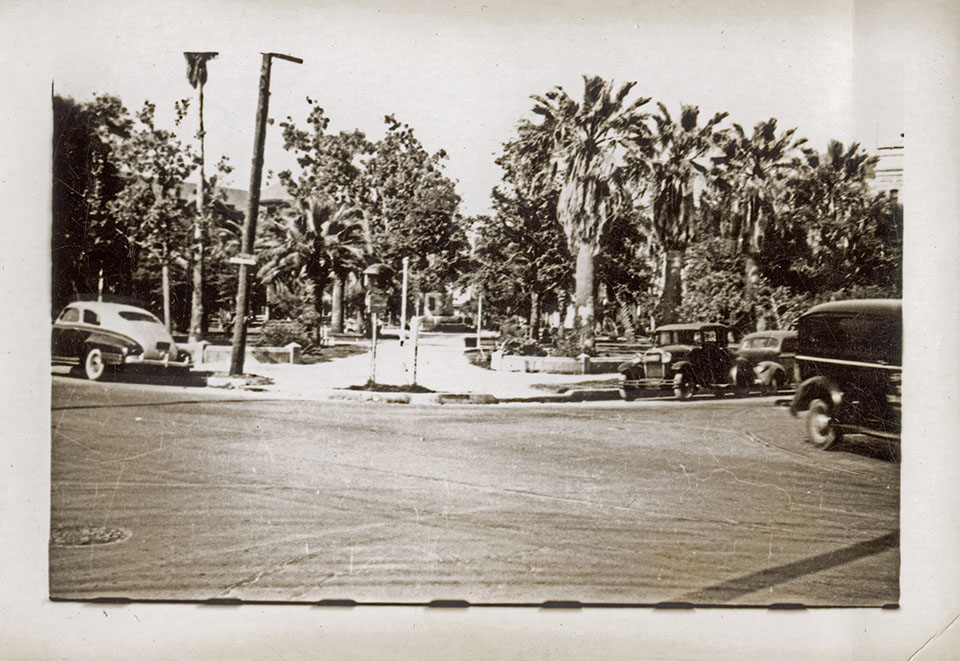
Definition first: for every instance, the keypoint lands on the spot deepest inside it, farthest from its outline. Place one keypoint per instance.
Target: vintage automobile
(685, 358)
(849, 365)
(96, 335)
(771, 353)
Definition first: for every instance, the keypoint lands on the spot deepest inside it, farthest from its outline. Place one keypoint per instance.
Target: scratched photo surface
(322, 284)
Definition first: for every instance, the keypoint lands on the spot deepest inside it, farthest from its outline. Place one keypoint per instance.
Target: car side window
(91, 317)
(70, 314)
(789, 345)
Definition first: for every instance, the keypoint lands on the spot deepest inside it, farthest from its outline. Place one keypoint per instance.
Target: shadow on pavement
(767, 578)
(152, 377)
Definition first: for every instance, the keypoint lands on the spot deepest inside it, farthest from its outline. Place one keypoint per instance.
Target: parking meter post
(403, 302)
(479, 322)
(373, 347)
(415, 340)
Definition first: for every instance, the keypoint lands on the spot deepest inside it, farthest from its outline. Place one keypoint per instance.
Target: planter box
(209, 353)
(553, 364)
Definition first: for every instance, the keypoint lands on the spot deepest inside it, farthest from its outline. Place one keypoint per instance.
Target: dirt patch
(326, 354)
(387, 387)
(560, 388)
(87, 536)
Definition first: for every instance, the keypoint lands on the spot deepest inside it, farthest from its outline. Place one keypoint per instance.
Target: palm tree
(754, 182)
(197, 77)
(307, 247)
(589, 143)
(674, 168)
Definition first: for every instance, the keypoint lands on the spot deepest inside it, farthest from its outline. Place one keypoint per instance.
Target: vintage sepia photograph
(511, 305)
(481, 327)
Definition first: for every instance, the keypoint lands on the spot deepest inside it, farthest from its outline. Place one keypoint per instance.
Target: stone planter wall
(553, 364)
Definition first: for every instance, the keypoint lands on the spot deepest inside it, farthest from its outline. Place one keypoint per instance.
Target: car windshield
(138, 316)
(760, 343)
(668, 337)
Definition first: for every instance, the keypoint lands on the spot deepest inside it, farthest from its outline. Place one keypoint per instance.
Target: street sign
(377, 303)
(244, 258)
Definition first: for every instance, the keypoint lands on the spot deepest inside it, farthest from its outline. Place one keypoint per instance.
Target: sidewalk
(442, 366)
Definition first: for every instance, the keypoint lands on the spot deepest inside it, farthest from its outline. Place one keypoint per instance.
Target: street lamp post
(246, 259)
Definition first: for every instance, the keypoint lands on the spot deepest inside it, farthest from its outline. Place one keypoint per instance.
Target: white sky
(462, 75)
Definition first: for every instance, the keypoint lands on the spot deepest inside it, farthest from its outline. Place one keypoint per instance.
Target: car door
(67, 337)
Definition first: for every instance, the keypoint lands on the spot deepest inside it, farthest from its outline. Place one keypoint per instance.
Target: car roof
(696, 326)
(879, 306)
(771, 333)
(105, 306)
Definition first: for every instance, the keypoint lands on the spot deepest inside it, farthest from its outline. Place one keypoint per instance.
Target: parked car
(849, 364)
(95, 336)
(772, 355)
(685, 358)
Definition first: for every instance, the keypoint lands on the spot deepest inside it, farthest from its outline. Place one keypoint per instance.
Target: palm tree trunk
(196, 304)
(584, 295)
(750, 285)
(336, 314)
(534, 316)
(627, 321)
(672, 296)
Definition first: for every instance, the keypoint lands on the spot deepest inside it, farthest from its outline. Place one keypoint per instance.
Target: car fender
(682, 366)
(623, 368)
(113, 346)
(767, 369)
(817, 387)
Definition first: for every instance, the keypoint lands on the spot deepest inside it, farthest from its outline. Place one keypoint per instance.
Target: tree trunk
(627, 321)
(750, 285)
(165, 279)
(336, 314)
(535, 316)
(196, 305)
(672, 296)
(584, 295)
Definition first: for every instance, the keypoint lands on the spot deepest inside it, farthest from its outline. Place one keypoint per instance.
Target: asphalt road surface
(178, 493)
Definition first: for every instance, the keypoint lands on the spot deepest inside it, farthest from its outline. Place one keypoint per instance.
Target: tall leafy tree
(150, 210)
(412, 209)
(197, 77)
(754, 183)
(590, 142)
(85, 238)
(675, 166)
(525, 229)
(854, 236)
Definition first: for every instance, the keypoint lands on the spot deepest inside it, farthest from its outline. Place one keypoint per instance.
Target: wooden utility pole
(246, 259)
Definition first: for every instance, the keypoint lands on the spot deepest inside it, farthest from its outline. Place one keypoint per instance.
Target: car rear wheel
(820, 427)
(741, 381)
(776, 383)
(93, 366)
(682, 386)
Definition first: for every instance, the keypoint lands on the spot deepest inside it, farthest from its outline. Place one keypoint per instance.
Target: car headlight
(666, 357)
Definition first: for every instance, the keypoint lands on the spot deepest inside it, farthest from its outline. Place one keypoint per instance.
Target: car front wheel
(682, 386)
(93, 366)
(820, 427)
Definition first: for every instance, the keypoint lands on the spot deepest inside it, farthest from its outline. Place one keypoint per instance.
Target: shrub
(282, 333)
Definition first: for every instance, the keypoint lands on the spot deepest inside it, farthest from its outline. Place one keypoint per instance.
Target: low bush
(282, 333)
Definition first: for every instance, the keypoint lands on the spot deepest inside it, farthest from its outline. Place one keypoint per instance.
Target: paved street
(232, 496)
